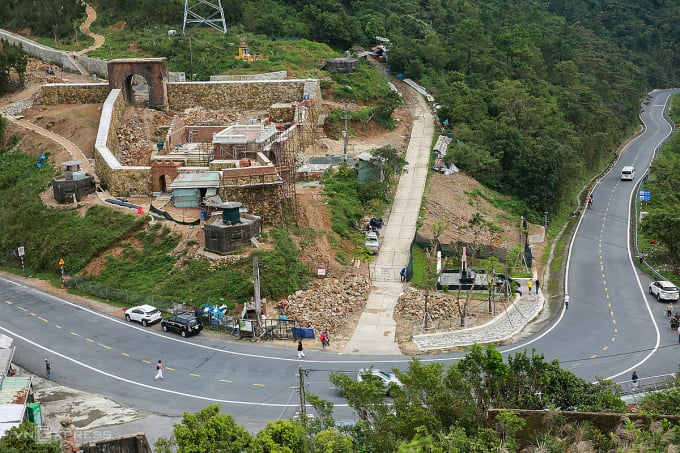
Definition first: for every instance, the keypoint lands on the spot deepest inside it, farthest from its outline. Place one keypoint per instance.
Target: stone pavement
(507, 323)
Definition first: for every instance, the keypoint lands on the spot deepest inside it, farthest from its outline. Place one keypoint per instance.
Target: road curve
(612, 326)
(609, 328)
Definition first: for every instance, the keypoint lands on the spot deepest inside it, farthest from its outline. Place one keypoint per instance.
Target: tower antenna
(192, 15)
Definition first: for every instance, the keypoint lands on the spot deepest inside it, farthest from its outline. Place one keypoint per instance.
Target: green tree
(206, 431)
(281, 436)
(22, 439)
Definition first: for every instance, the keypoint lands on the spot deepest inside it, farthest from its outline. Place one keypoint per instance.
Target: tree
(22, 439)
(281, 436)
(206, 431)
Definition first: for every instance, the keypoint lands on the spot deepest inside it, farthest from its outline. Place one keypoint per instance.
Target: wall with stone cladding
(278, 75)
(92, 65)
(263, 201)
(74, 93)
(121, 181)
(255, 95)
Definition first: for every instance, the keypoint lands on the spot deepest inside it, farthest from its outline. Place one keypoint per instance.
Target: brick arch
(154, 70)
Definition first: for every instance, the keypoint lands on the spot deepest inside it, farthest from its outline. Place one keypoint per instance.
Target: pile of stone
(411, 305)
(331, 304)
(136, 137)
(198, 116)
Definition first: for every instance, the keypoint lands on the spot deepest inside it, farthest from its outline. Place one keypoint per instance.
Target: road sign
(21, 251)
(644, 195)
(61, 261)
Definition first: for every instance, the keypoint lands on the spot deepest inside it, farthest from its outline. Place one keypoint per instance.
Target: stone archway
(154, 70)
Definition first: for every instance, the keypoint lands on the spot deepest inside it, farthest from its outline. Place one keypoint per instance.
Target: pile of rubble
(136, 139)
(331, 304)
(442, 309)
(198, 116)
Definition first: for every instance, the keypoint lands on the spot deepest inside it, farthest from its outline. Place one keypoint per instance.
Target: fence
(121, 295)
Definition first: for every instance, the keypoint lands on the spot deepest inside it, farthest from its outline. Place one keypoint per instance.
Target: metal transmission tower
(192, 15)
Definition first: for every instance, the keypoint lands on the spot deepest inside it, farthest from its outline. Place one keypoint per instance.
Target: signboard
(245, 325)
(644, 195)
(61, 261)
(21, 251)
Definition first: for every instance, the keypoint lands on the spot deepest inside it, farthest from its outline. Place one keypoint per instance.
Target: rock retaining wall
(242, 95)
(121, 181)
(261, 200)
(74, 93)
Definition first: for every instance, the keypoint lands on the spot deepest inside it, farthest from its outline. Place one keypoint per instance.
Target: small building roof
(198, 180)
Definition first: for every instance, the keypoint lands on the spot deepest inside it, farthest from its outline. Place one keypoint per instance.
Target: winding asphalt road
(611, 327)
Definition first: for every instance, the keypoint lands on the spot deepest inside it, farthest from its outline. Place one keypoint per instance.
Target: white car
(144, 314)
(388, 379)
(664, 290)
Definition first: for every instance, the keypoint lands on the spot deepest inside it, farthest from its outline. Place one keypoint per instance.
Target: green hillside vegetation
(537, 102)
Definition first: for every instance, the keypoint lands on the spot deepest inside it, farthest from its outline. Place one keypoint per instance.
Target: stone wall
(58, 57)
(74, 93)
(278, 75)
(130, 443)
(249, 95)
(121, 181)
(263, 200)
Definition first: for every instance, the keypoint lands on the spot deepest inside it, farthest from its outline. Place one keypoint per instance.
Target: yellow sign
(61, 261)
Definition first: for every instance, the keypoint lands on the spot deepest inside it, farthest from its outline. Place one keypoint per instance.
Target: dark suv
(184, 323)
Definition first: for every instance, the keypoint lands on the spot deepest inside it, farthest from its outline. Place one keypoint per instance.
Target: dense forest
(537, 94)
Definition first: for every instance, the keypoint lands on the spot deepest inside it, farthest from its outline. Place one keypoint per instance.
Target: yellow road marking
(58, 326)
(33, 314)
(613, 338)
(611, 313)
(9, 302)
(42, 319)
(146, 361)
(225, 380)
(74, 334)
(605, 348)
(168, 368)
(604, 282)
(89, 340)
(125, 354)
(104, 346)
(194, 375)
(259, 385)
(613, 321)
(593, 356)
(22, 308)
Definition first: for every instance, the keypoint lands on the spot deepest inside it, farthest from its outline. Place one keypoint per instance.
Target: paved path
(375, 332)
(85, 28)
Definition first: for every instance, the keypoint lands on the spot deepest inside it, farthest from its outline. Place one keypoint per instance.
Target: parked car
(144, 314)
(664, 290)
(184, 323)
(387, 379)
(372, 242)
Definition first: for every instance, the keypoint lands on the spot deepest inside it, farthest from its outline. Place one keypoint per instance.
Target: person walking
(48, 369)
(634, 378)
(529, 286)
(159, 371)
(537, 285)
(669, 309)
(566, 301)
(300, 350)
(324, 339)
(402, 274)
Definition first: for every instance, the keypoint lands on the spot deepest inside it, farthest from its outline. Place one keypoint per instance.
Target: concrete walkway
(376, 330)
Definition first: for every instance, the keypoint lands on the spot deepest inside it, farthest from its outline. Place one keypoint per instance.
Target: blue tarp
(303, 332)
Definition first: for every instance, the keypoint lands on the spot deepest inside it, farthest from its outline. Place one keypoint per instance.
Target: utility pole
(256, 290)
(345, 134)
(191, 61)
(301, 391)
(545, 220)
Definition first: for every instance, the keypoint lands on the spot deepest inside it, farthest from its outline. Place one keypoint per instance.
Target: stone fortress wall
(74, 93)
(66, 60)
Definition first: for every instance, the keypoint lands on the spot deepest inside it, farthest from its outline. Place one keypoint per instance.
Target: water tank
(230, 213)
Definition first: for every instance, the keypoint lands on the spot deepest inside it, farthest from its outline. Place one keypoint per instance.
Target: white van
(628, 173)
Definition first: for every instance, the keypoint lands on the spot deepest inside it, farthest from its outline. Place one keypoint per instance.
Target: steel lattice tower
(192, 15)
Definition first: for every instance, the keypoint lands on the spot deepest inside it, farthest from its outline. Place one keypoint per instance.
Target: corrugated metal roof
(196, 180)
(5, 360)
(14, 390)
